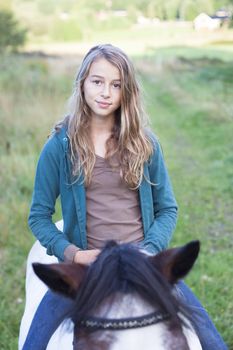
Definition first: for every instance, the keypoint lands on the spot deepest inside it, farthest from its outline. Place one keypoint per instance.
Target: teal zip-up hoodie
(53, 178)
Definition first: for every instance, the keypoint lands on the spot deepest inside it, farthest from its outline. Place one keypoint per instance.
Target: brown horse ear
(175, 263)
(61, 278)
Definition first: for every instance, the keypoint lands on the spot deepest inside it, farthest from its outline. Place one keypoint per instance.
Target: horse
(124, 300)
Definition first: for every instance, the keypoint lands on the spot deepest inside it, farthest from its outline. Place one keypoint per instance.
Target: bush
(11, 35)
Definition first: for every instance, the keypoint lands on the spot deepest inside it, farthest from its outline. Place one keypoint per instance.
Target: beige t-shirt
(113, 210)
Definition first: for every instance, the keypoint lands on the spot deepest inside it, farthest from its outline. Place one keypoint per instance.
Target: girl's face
(102, 89)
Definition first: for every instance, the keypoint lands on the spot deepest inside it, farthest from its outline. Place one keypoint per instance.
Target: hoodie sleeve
(165, 208)
(46, 191)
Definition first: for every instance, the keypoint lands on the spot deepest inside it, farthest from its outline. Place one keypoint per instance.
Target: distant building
(223, 15)
(204, 21)
(104, 15)
(64, 16)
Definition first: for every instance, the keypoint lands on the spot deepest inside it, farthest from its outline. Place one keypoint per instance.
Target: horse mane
(124, 269)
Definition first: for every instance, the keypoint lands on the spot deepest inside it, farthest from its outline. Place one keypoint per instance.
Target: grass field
(189, 96)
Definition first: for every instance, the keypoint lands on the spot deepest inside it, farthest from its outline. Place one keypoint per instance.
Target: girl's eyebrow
(96, 76)
(100, 76)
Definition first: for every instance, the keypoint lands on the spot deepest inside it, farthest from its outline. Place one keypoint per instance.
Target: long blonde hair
(128, 139)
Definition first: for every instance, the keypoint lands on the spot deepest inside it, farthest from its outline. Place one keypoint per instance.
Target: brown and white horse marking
(126, 283)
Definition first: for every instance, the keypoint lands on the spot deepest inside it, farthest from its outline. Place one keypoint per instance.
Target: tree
(11, 35)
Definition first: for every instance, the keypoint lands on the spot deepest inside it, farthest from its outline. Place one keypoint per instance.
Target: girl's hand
(86, 257)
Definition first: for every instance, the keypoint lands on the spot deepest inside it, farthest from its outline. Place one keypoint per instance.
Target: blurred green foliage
(12, 36)
(70, 20)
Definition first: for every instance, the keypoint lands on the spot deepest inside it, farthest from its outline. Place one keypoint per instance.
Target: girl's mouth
(103, 104)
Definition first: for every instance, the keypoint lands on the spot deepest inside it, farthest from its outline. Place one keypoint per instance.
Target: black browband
(98, 323)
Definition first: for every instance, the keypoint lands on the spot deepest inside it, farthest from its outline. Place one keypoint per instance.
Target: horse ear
(61, 278)
(175, 263)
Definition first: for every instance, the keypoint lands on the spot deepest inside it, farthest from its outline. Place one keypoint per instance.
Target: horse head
(124, 288)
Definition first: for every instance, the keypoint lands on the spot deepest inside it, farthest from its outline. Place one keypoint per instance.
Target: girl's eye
(97, 82)
(117, 85)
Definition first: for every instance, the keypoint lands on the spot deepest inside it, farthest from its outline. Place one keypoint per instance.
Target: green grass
(191, 107)
(189, 97)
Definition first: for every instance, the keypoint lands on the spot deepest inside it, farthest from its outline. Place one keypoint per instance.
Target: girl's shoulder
(157, 156)
(57, 141)
(60, 130)
(153, 138)
(60, 133)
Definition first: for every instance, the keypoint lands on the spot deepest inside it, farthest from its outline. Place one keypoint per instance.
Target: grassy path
(191, 108)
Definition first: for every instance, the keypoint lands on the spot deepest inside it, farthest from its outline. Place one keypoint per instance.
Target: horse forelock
(123, 269)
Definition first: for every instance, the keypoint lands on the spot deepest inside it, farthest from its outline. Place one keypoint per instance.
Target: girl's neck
(100, 131)
(101, 126)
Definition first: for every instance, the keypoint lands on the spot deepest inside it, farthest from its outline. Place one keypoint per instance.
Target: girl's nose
(106, 91)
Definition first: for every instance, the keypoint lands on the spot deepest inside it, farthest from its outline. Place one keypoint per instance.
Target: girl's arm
(159, 234)
(46, 191)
